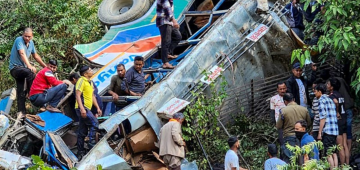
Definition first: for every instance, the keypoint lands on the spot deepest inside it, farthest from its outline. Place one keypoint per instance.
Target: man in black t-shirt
(333, 85)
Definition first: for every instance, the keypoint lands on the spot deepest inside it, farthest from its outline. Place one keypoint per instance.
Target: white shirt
(302, 93)
(277, 103)
(231, 160)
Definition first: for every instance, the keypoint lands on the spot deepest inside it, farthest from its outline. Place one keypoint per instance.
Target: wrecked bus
(225, 37)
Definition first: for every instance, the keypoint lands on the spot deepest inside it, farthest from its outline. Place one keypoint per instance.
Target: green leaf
(302, 60)
(333, 27)
(347, 37)
(321, 45)
(293, 56)
(346, 45)
(336, 41)
(36, 159)
(347, 29)
(306, 5)
(351, 36)
(307, 54)
(334, 10)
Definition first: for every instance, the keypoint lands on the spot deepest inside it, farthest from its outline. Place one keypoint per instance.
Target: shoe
(168, 66)
(52, 109)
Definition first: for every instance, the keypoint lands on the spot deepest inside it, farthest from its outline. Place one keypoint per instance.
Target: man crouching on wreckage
(85, 98)
(171, 142)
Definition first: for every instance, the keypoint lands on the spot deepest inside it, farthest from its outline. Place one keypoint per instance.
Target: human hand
(175, 24)
(338, 116)
(32, 68)
(83, 113)
(115, 96)
(99, 112)
(319, 136)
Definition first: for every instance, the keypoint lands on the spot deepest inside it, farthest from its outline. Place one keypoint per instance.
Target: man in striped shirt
(315, 110)
(169, 30)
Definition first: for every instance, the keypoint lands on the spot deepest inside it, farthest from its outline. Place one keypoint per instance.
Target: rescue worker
(85, 99)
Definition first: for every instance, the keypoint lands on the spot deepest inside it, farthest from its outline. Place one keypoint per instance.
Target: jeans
(311, 114)
(170, 38)
(348, 123)
(286, 154)
(22, 75)
(89, 124)
(51, 96)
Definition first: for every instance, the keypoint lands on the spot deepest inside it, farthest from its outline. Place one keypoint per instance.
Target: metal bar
(187, 25)
(204, 13)
(204, 152)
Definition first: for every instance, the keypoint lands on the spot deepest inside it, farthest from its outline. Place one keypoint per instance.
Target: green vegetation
(57, 26)
(202, 120)
(341, 28)
(40, 165)
(311, 164)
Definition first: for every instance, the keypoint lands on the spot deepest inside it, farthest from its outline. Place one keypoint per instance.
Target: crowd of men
(327, 118)
(44, 90)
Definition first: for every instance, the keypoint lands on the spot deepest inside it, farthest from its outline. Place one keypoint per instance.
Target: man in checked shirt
(169, 30)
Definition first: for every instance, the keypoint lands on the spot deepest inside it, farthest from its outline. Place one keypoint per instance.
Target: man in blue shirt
(328, 129)
(20, 67)
(134, 80)
(305, 138)
(273, 162)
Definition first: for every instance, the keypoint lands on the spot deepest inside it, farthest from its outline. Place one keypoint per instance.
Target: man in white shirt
(277, 103)
(231, 157)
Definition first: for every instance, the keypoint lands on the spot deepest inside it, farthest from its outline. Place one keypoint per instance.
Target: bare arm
(38, 59)
(95, 103)
(322, 123)
(337, 108)
(26, 61)
(80, 104)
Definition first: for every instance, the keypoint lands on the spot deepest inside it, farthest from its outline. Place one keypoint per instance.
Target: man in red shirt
(46, 88)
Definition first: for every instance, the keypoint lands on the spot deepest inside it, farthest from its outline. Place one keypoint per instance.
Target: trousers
(24, 78)
(51, 96)
(170, 38)
(89, 124)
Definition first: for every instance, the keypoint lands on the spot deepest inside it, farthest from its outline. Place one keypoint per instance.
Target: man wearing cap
(273, 162)
(171, 143)
(85, 99)
(46, 88)
(20, 67)
(298, 85)
(231, 157)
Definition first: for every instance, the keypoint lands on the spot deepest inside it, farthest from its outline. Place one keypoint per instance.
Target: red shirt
(44, 80)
